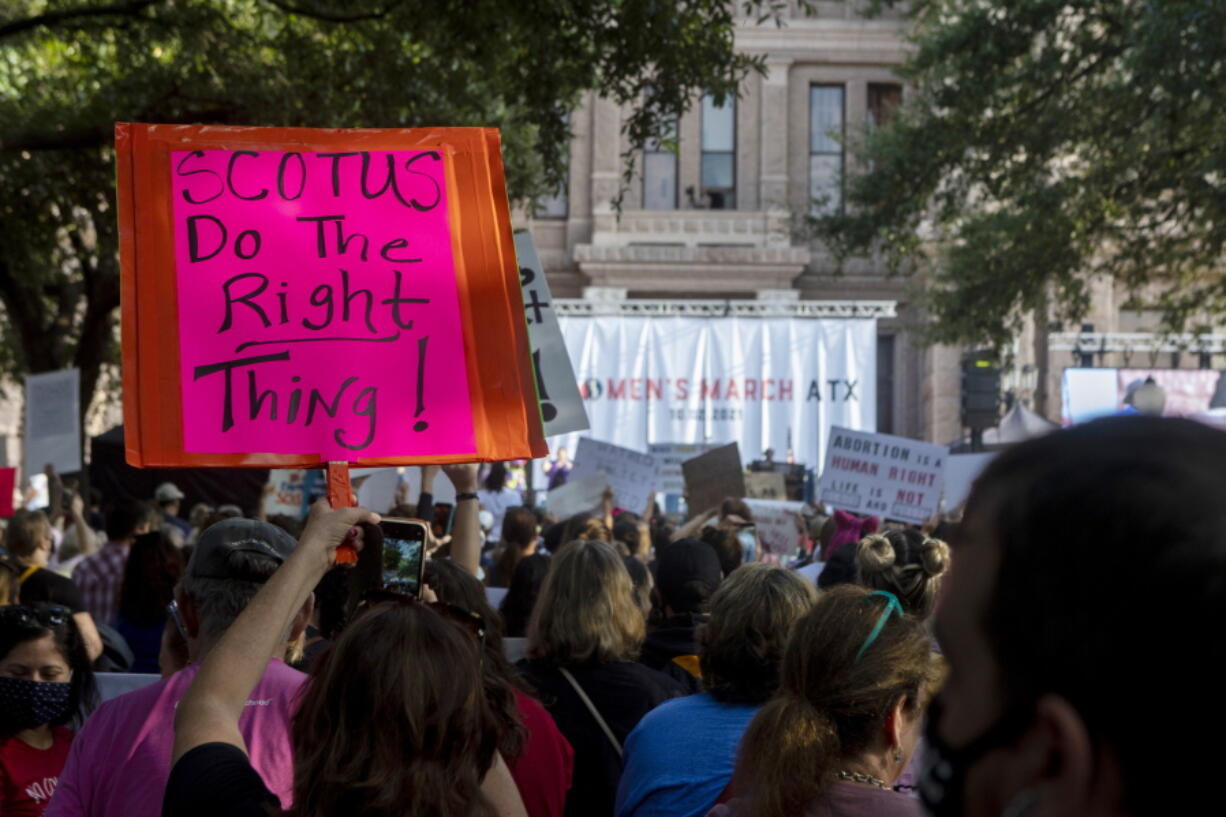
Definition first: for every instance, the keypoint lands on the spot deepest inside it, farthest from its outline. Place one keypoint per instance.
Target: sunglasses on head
(470, 621)
(34, 615)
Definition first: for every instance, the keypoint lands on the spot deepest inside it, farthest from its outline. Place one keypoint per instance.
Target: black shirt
(672, 638)
(216, 779)
(623, 693)
(47, 585)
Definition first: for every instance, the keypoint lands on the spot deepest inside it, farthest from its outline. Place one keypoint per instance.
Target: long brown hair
(518, 534)
(586, 610)
(395, 721)
(455, 585)
(832, 698)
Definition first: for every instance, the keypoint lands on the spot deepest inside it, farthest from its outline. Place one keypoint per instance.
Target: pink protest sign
(318, 304)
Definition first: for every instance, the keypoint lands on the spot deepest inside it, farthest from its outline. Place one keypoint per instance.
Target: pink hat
(849, 529)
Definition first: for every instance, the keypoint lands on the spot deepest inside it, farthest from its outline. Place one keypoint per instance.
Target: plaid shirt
(99, 578)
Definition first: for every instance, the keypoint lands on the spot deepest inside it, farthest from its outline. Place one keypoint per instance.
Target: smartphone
(749, 542)
(404, 554)
(444, 512)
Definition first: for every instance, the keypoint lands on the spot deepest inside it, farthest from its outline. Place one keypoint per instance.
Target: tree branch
(52, 18)
(54, 139)
(330, 17)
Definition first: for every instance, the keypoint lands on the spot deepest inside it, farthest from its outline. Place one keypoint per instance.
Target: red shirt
(28, 775)
(543, 770)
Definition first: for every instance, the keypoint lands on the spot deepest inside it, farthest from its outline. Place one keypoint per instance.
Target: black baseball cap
(213, 557)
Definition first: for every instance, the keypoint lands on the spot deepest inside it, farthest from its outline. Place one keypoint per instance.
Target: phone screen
(404, 546)
(749, 542)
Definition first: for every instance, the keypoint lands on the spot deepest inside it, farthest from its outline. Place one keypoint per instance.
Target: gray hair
(219, 602)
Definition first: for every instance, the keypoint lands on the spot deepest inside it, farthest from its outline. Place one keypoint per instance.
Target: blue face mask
(27, 704)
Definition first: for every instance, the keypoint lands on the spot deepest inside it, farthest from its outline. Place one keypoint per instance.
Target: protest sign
(288, 494)
(762, 485)
(777, 530)
(961, 471)
(377, 490)
(561, 406)
(37, 494)
(293, 297)
(669, 457)
(53, 431)
(579, 495)
(8, 484)
(712, 477)
(631, 474)
(882, 475)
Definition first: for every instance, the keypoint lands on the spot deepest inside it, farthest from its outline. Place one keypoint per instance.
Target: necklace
(866, 779)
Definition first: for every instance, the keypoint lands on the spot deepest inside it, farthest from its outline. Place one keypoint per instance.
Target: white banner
(776, 383)
(881, 475)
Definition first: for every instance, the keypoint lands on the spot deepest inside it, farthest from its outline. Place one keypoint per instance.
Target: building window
(556, 205)
(883, 101)
(660, 171)
(718, 171)
(826, 148)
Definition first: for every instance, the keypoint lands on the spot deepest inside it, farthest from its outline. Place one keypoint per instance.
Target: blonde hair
(586, 610)
(905, 562)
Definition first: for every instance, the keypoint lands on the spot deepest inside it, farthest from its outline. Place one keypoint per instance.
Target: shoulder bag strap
(27, 573)
(591, 707)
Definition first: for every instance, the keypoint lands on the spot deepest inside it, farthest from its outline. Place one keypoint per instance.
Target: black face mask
(942, 786)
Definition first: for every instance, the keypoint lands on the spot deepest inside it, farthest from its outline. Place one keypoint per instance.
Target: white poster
(961, 471)
(582, 495)
(631, 474)
(53, 430)
(669, 456)
(561, 407)
(288, 492)
(776, 383)
(777, 528)
(882, 475)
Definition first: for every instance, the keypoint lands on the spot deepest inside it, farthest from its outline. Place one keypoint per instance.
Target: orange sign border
(502, 388)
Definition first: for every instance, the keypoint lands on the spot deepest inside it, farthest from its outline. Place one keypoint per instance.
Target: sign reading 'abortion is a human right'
(882, 475)
(317, 302)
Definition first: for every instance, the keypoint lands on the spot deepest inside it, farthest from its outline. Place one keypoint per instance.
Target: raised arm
(466, 527)
(87, 543)
(210, 710)
(691, 528)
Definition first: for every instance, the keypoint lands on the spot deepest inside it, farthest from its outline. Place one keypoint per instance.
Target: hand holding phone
(404, 554)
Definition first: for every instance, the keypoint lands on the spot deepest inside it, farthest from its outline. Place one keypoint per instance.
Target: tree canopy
(70, 69)
(1044, 144)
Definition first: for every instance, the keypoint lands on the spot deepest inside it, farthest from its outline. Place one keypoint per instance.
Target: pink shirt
(120, 760)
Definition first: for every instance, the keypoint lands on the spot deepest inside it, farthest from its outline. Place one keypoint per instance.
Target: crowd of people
(1042, 653)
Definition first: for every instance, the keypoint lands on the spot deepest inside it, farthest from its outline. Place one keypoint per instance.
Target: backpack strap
(591, 707)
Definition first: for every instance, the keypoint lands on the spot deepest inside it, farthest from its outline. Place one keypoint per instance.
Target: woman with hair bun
(856, 678)
(906, 563)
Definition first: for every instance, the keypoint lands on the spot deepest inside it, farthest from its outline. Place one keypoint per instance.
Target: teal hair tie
(892, 605)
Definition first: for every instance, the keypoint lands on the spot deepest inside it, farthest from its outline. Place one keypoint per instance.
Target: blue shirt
(680, 757)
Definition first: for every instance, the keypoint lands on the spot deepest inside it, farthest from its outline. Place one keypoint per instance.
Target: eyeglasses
(34, 615)
(172, 610)
(470, 621)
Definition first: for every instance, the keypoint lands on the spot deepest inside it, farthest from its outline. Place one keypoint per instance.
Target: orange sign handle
(340, 495)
